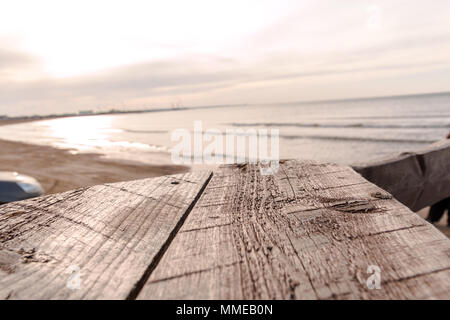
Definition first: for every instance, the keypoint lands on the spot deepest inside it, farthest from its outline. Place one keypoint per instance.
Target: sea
(345, 131)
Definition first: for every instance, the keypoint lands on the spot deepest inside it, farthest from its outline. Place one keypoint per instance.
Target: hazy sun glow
(89, 134)
(65, 56)
(75, 38)
(79, 132)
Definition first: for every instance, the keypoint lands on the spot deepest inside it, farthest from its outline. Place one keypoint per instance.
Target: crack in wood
(208, 227)
(196, 272)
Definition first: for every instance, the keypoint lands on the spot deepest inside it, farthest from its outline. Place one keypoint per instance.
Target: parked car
(15, 187)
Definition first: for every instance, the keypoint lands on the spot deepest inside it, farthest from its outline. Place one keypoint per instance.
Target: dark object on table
(15, 187)
(437, 211)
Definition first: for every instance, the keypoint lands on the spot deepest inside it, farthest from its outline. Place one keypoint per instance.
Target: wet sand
(58, 170)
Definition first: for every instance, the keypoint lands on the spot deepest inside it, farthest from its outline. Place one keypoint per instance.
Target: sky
(66, 56)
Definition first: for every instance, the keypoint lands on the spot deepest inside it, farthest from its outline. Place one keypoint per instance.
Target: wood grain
(309, 232)
(113, 233)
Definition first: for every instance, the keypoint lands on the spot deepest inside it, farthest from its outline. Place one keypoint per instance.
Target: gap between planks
(140, 284)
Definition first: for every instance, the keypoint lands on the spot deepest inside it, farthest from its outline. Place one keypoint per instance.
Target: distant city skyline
(58, 57)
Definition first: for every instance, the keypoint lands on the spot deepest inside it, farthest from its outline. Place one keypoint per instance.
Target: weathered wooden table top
(311, 231)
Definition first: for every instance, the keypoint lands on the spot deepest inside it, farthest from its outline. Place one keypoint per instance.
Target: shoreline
(58, 170)
(6, 122)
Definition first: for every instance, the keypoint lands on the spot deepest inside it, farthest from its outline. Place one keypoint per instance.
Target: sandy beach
(58, 170)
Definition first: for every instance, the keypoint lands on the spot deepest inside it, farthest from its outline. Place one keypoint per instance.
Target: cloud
(318, 47)
(12, 59)
(154, 80)
(13, 62)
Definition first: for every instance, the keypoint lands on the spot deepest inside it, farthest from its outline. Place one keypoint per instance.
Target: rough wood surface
(308, 232)
(417, 179)
(112, 234)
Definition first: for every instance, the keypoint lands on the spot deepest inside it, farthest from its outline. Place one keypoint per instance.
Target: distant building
(85, 112)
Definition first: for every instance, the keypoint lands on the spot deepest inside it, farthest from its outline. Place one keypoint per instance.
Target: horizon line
(112, 111)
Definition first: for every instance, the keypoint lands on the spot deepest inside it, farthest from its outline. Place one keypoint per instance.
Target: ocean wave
(359, 139)
(251, 133)
(402, 117)
(341, 125)
(145, 131)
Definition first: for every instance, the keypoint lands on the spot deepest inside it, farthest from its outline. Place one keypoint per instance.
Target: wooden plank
(436, 164)
(417, 179)
(113, 234)
(309, 232)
